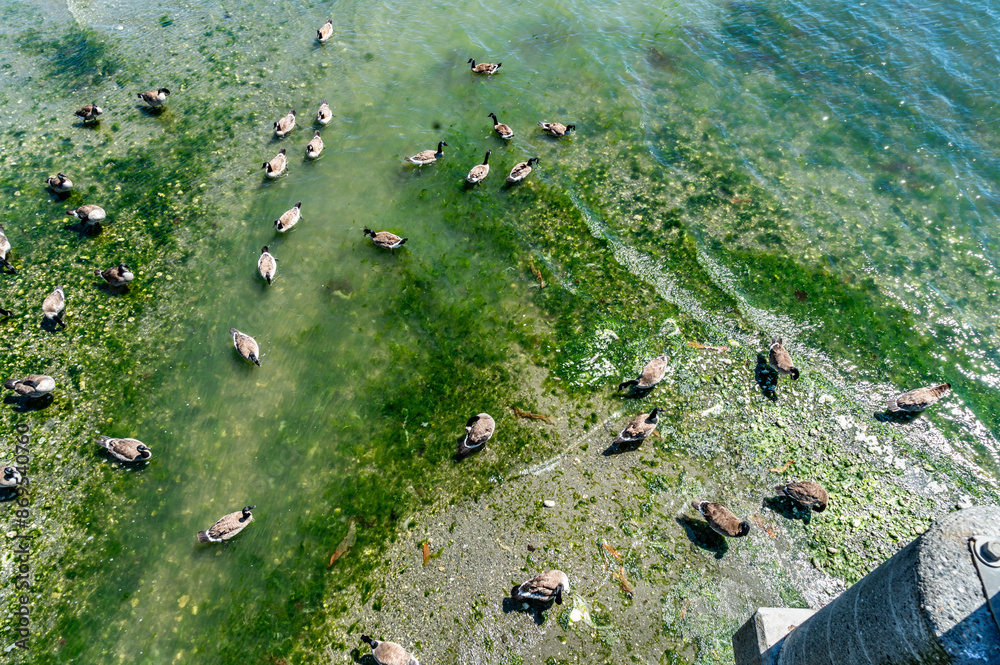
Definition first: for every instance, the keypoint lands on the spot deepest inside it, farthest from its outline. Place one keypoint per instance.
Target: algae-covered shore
(651, 229)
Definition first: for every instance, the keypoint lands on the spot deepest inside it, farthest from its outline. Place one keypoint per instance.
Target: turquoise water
(821, 172)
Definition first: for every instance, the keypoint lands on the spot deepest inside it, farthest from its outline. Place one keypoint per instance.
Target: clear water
(804, 146)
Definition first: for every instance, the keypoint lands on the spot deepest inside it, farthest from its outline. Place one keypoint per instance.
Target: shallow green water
(728, 156)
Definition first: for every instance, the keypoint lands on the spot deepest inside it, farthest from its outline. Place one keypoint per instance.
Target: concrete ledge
(758, 641)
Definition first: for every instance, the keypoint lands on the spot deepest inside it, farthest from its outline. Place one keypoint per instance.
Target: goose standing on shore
(154, 98)
(722, 520)
(267, 265)
(478, 430)
(325, 31)
(284, 125)
(32, 386)
(780, 360)
(324, 115)
(315, 146)
(289, 218)
(117, 276)
(4, 248)
(651, 374)
(479, 171)
(807, 494)
(556, 128)
(917, 400)
(503, 130)
(126, 450)
(641, 426)
(89, 112)
(276, 166)
(227, 527)
(389, 653)
(521, 170)
(89, 214)
(59, 183)
(542, 588)
(386, 240)
(53, 306)
(9, 478)
(246, 346)
(483, 67)
(425, 157)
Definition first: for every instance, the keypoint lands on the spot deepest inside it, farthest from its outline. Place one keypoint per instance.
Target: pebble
(549, 503)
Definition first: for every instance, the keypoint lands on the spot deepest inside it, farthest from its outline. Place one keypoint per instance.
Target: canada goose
(119, 275)
(59, 183)
(484, 67)
(89, 214)
(543, 588)
(478, 431)
(386, 240)
(9, 478)
(4, 248)
(246, 346)
(54, 304)
(389, 653)
(267, 265)
(284, 125)
(721, 519)
(556, 128)
(780, 360)
(521, 170)
(89, 112)
(126, 450)
(33, 385)
(227, 527)
(324, 115)
(315, 146)
(325, 31)
(427, 156)
(5, 312)
(479, 171)
(807, 494)
(641, 426)
(289, 218)
(651, 374)
(154, 98)
(276, 166)
(503, 130)
(917, 400)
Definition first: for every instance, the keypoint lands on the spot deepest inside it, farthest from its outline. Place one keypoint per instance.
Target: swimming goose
(917, 400)
(503, 130)
(89, 112)
(315, 146)
(126, 450)
(521, 170)
(9, 478)
(246, 346)
(807, 494)
(289, 218)
(651, 374)
(389, 653)
(59, 183)
(284, 125)
(478, 431)
(556, 128)
(721, 519)
(154, 98)
(89, 214)
(641, 426)
(484, 67)
(324, 115)
(33, 385)
(4, 248)
(479, 171)
(386, 240)
(325, 31)
(427, 156)
(267, 265)
(543, 588)
(227, 527)
(119, 275)
(780, 360)
(276, 166)
(54, 304)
